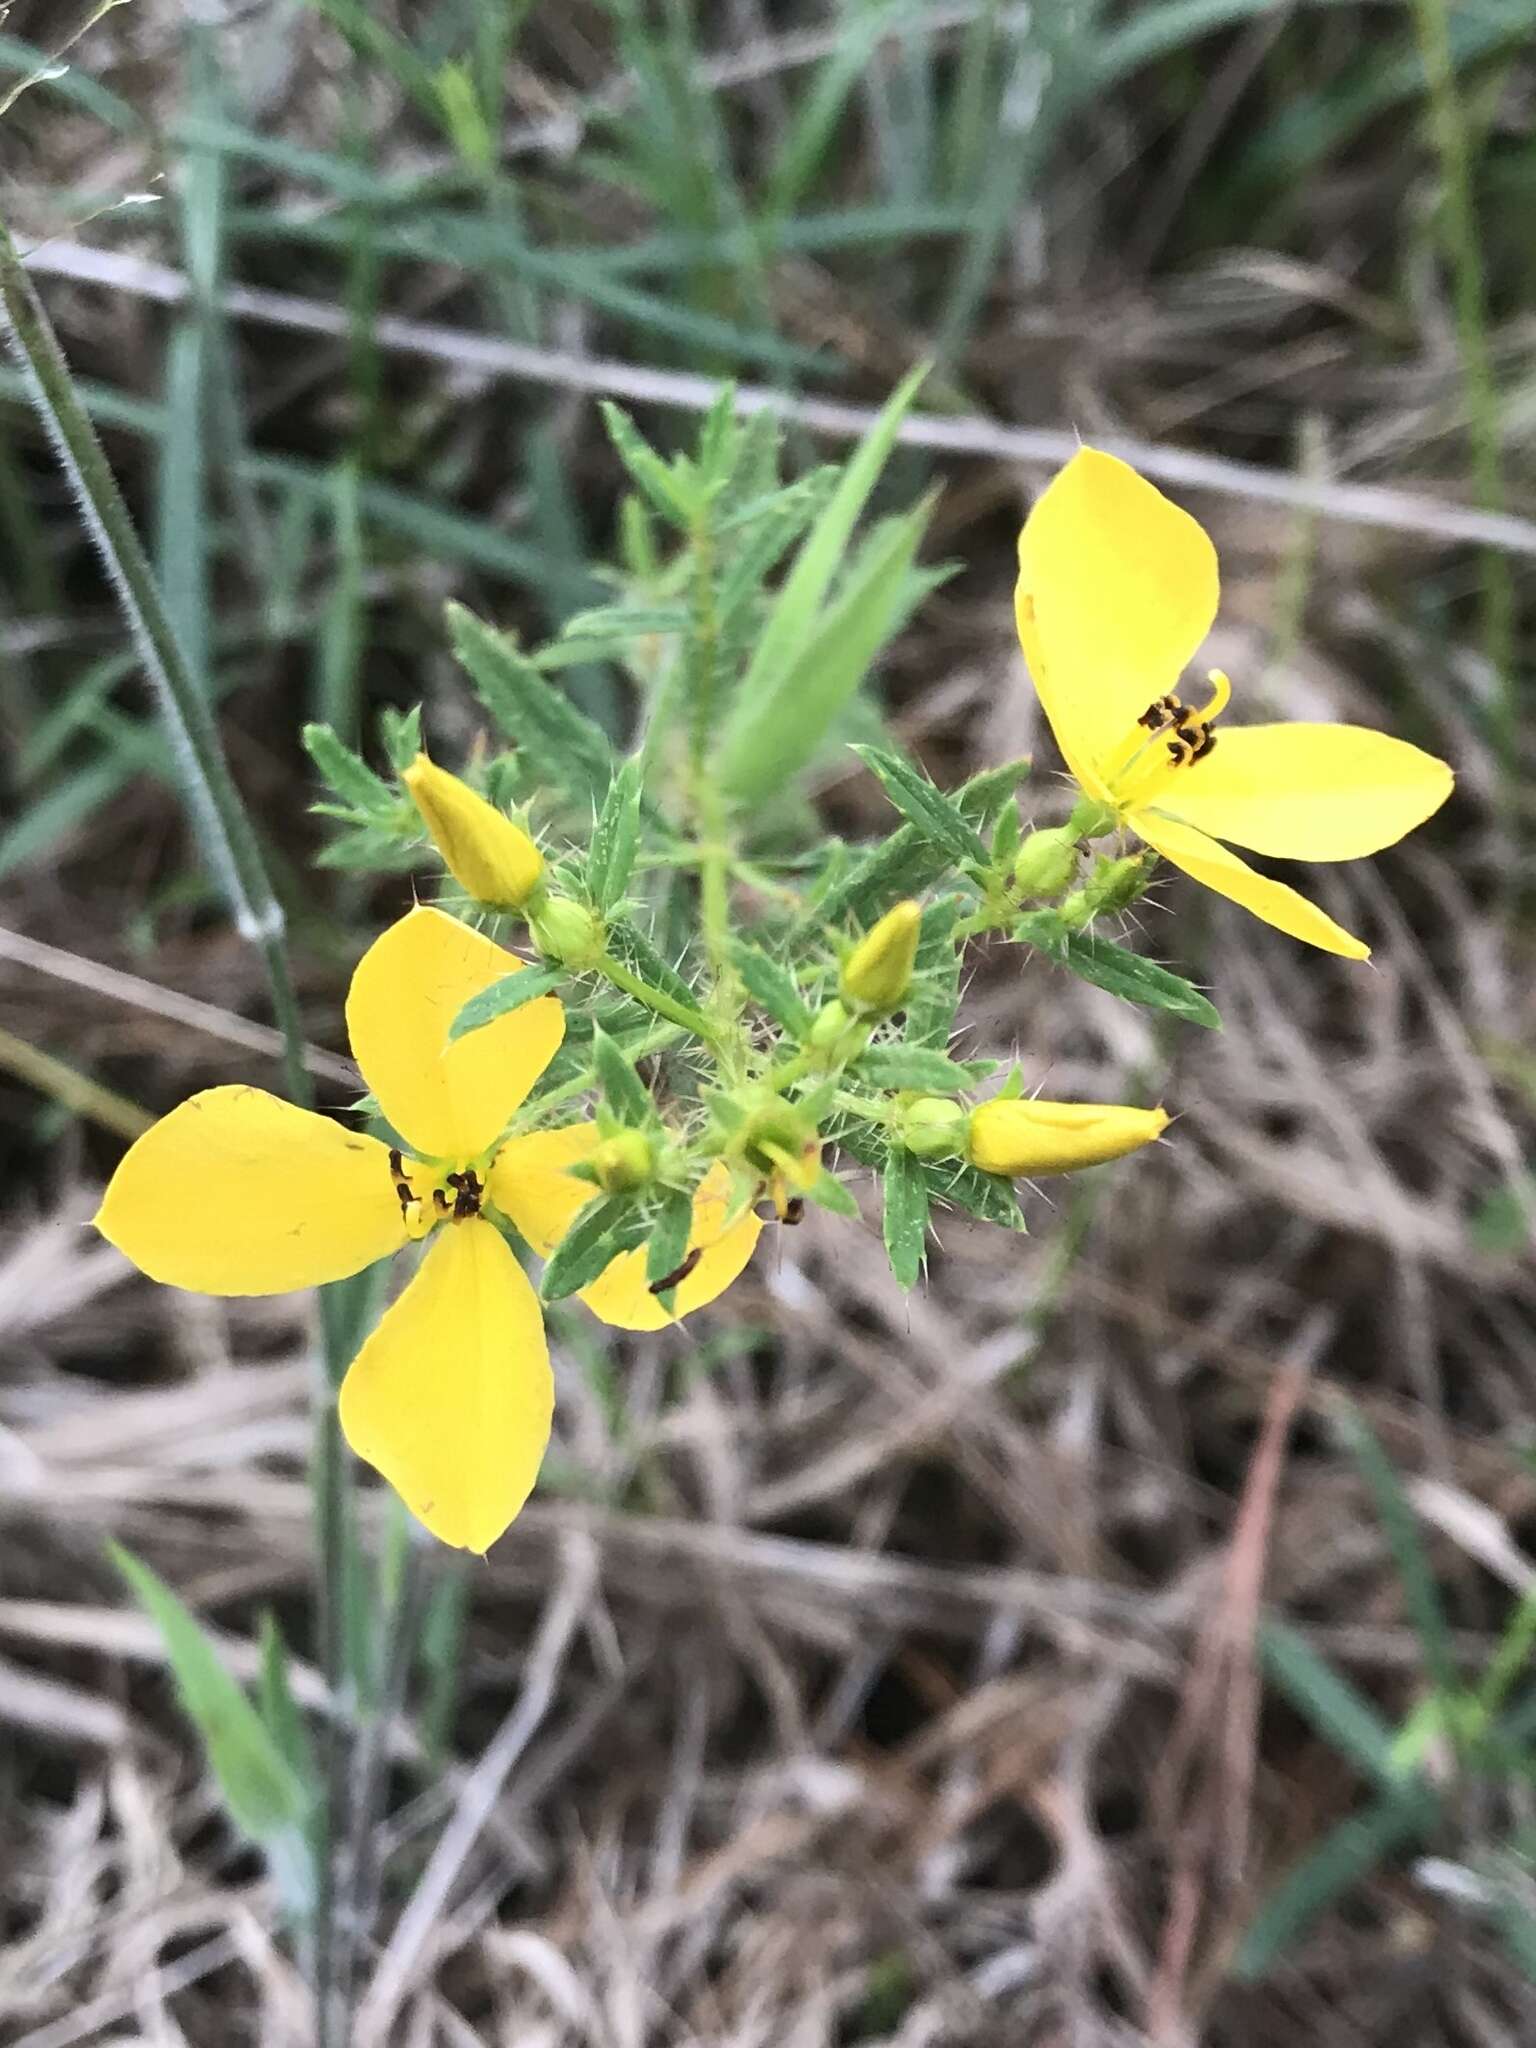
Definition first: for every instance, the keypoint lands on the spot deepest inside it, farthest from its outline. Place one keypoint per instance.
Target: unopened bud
(567, 933)
(933, 1128)
(623, 1162)
(1113, 885)
(490, 858)
(1012, 1137)
(878, 972)
(1045, 862)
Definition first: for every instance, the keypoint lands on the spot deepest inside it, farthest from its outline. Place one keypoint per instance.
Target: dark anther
(679, 1273)
(1162, 711)
(1205, 746)
(466, 1200)
(794, 1209)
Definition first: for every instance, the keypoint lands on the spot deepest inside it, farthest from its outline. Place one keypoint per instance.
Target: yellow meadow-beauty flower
(236, 1192)
(1117, 589)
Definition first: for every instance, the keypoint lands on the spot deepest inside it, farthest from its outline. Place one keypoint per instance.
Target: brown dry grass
(904, 1690)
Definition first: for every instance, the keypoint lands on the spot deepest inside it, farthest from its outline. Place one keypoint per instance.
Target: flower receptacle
(932, 1127)
(1046, 862)
(566, 933)
(623, 1162)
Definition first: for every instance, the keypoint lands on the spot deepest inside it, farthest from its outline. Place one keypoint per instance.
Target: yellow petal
(236, 1192)
(446, 1101)
(1015, 1137)
(1117, 589)
(451, 1397)
(1307, 792)
(1212, 864)
(489, 857)
(529, 1183)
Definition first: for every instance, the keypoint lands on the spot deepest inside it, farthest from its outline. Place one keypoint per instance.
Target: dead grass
(888, 1675)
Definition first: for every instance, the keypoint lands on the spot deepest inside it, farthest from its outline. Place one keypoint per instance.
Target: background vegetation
(1122, 1638)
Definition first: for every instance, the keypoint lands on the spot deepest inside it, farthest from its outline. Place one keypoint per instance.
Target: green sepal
(667, 1246)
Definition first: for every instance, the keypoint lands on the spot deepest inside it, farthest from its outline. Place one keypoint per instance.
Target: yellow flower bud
(878, 972)
(566, 933)
(624, 1161)
(1018, 1137)
(492, 859)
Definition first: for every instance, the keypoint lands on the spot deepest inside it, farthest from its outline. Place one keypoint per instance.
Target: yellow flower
(878, 972)
(490, 858)
(1014, 1137)
(236, 1192)
(1117, 589)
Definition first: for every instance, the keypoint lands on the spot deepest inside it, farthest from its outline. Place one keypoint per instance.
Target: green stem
(658, 1000)
(1463, 234)
(232, 851)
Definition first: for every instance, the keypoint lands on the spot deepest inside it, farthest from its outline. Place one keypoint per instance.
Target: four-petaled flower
(236, 1192)
(1117, 589)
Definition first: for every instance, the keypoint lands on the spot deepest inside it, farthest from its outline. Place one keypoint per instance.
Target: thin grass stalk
(230, 844)
(1448, 127)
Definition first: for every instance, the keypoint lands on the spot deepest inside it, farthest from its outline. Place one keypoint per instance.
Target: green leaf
(911, 1066)
(1350, 1852)
(264, 1794)
(980, 1194)
(794, 615)
(671, 488)
(622, 1087)
(776, 725)
(828, 1192)
(772, 987)
(1339, 1713)
(630, 944)
(601, 1231)
(1401, 1527)
(905, 1194)
(937, 818)
(279, 1709)
(667, 1246)
(717, 441)
(400, 732)
(347, 773)
(935, 992)
(504, 996)
(615, 838)
(1117, 969)
(565, 748)
(625, 622)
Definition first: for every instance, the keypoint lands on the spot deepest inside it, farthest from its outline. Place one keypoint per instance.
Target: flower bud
(1113, 885)
(490, 858)
(566, 933)
(932, 1127)
(828, 1026)
(624, 1161)
(1045, 862)
(1013, 1137)
(878, 972)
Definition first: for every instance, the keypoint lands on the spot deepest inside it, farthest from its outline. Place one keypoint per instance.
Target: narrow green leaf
(671, 488)
(910, 1066)
(622, 1087)
(605, 1228)
(772, 987)
(1344, 1716)
(935, 993)
(347, 773)
(625, 622)
(776, 725)
(904, 1192)
(980, 1194)
(280, 1710)
(667, 1246)
(630, 944)
(615, 838)
(938, 818)
(1349, 1853)
(1117, 969)
(564, 746)
(503, 997)
(1401, 1527)
(263, 1793)
(795, 611)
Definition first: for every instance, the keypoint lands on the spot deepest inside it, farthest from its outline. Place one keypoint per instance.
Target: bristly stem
(657, 999)
(230, 845)
(1431, 20)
